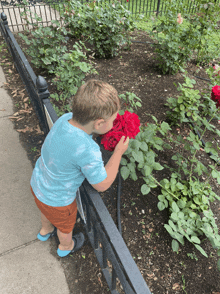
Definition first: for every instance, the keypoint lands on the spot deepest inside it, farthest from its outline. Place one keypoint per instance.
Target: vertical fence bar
(158, 7)
(114, 276)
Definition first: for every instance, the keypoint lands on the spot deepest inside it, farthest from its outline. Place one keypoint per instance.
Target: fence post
(158, 7)
(43, 93)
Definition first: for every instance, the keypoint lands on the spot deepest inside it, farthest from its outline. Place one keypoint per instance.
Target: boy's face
(102, 126)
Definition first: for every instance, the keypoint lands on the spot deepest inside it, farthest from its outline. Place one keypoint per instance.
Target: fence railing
(116, 262)
(49, 10)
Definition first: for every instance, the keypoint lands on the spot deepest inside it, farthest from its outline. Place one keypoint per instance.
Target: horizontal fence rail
(116, 262)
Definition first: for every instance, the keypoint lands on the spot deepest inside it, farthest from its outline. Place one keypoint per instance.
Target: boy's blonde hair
(94, 100)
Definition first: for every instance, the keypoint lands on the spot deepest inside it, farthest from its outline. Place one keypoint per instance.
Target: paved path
(26, 265)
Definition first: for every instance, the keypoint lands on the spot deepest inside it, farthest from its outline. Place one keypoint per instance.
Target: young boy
(69, 155)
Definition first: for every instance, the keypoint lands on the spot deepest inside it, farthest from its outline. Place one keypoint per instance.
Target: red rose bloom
(124, 125)
(215, 96)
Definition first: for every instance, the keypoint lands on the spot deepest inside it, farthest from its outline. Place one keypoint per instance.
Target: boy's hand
(122, 145)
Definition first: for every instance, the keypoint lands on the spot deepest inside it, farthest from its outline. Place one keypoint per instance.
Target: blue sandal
(78, 239)
(47, 236)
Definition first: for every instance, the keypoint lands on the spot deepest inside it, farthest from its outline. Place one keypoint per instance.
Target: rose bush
(215, 96)
(124, 125)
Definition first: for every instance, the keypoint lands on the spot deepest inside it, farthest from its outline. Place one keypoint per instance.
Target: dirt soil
(164, 271)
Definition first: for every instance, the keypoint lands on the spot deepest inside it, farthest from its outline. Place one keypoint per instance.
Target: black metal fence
(49, 10)
(111, 251)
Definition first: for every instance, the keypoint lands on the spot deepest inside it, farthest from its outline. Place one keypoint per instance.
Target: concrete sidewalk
(26, 265)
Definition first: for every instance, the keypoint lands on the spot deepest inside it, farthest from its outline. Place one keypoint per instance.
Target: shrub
(106, 26)
(46, 45)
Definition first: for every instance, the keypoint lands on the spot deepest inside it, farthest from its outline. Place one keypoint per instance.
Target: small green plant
(33, 149)
(131, 102)
(192, 256)
(184, 284)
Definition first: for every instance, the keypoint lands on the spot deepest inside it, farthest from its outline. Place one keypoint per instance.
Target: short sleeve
(92, 165)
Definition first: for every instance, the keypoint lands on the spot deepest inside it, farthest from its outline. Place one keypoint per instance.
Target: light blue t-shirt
(68, 156)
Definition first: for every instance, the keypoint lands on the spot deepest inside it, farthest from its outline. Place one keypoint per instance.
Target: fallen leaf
(20, 118)
(12, 117)
(22, 95)
(25, 99)
(38, 129)
(176, 286)
(15, 91)
(27, 129)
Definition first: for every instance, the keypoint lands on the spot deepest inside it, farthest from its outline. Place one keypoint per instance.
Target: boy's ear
(98, 123)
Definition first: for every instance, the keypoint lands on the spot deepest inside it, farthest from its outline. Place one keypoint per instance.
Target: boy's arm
(113, 165)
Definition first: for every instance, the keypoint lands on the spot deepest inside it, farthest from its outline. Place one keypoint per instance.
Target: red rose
(124, 125)
(215, 96)
(111, 139)
(131, 124)
(117, 124)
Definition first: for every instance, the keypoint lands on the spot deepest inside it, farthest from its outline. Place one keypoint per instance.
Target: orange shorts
(63, 218)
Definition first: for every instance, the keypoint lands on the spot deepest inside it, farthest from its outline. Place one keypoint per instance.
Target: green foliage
(106, 26)
(191, 105)
(131, 102)
(140, 155)
(47, 50)
(203, 23)
(190, 213)
(69, 74)
(46, 46)
(191, 39)
(173, 40)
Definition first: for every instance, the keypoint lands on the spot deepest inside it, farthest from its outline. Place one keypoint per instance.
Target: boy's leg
(66, 241)
(47, 227)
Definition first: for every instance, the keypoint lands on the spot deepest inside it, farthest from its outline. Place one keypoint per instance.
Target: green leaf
(133, 176)
(181, 203)
(218, 252)
(172, 225)
(124, 161)
(145, 189)
(138, 156)
(215, 174)
(125, 172)
(169, 229)
(175, 245)
(195, 239)
(218, 264)
(160, 206)
(165, 127)
(174, 216)
(157, 166)
(144, 146)
(201, 250)
(147, 170)
(175, 207)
